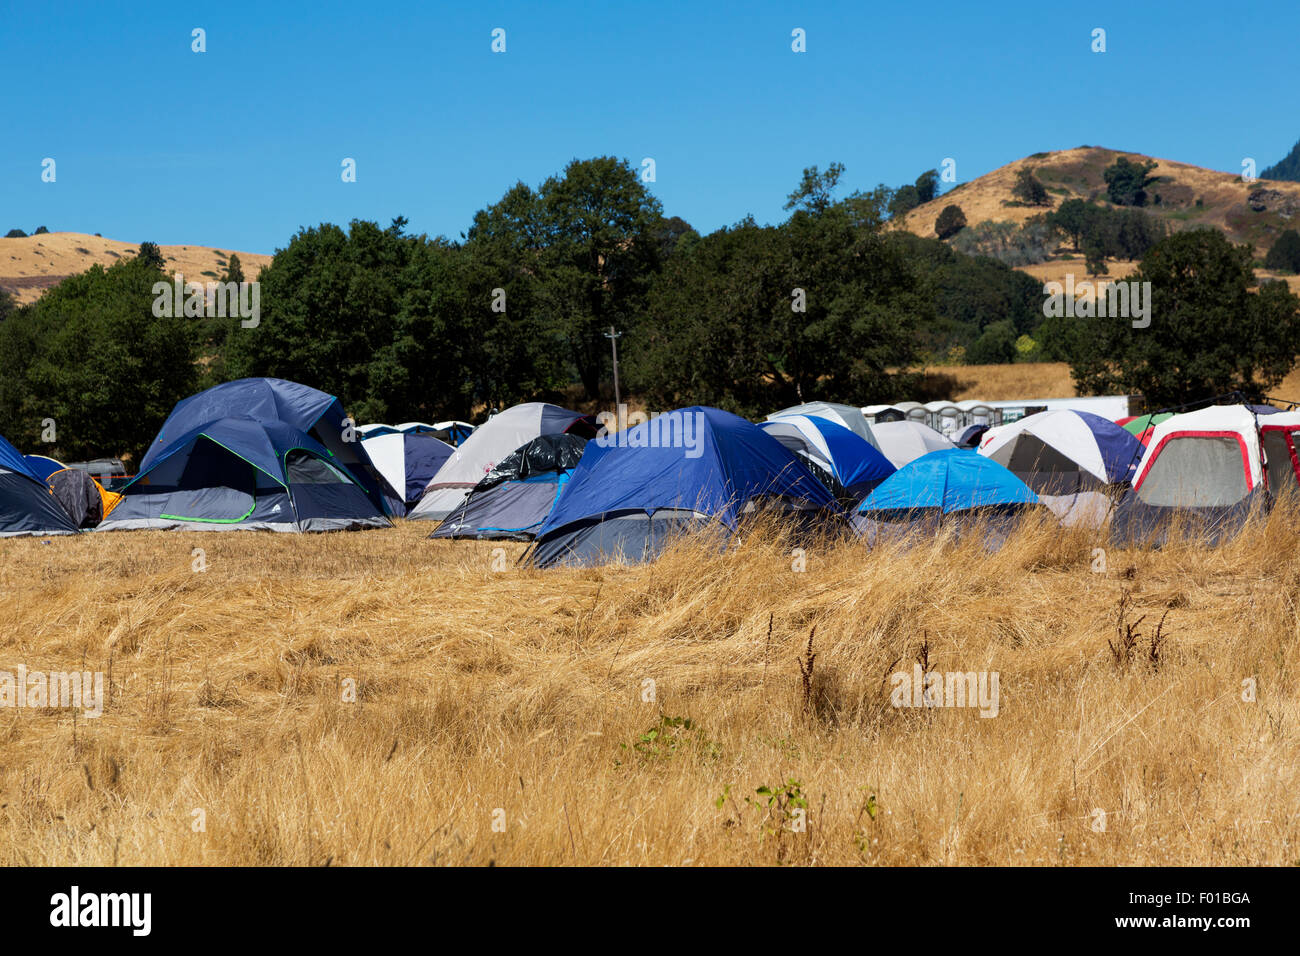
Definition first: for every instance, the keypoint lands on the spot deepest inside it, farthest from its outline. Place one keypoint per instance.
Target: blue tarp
(948, 481)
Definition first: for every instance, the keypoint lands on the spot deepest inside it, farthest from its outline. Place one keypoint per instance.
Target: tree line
(827, 304)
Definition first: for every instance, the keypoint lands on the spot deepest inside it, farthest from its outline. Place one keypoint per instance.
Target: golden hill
(1189, 196)
(30, 266)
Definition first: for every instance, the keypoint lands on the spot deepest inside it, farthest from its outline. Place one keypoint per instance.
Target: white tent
(903, 442)
(1072, 460)
(1204, 459)
(846, 415)
(1278, 438)
(492, 441)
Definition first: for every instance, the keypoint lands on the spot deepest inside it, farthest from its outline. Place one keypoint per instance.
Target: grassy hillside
(30, 266)
(1188, 196)
(1037, 380)
(526, 701)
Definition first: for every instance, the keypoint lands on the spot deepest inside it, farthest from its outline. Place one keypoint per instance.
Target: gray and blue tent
(679, 472)
(26, 505)
(306, 409)
(514, 498)
(493, 441)
(241, 473)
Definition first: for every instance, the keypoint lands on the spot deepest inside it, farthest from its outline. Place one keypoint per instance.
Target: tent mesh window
(1196, 472)
(1281, 473)
(304, 469)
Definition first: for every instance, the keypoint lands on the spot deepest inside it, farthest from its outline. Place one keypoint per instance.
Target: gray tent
(514, 498)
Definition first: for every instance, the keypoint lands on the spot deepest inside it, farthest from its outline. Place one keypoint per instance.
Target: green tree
(598, 251)
(1208, 334)
(995, 346)
(950, 222)
(1029, 190)
(927, 185)
(1126, 181)
(329, 307)
(1094, 255)
(91, 354)
(815, 190)
(1285, 254)
(905, 199)
(234, 270)
(15, 234)
(151, 255)
(1287, 168)
(755, 317)
(40, 231)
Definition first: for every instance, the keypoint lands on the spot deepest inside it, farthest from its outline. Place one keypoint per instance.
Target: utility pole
(613, 345)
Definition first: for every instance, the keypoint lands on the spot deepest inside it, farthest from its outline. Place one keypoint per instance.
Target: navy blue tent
(678, 471)
(943, 485)
(240, 473)
(275, 400)
(26, 505)
(514, 498)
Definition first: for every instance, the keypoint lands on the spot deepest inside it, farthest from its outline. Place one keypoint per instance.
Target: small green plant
(870, 808)
(669, 737)
(785, 807)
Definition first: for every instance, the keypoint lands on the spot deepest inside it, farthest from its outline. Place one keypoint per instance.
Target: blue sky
(240, 146)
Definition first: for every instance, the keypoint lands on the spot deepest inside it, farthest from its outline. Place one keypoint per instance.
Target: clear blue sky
(239, 146)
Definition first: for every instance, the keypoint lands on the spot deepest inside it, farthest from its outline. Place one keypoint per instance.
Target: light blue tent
(955, 486)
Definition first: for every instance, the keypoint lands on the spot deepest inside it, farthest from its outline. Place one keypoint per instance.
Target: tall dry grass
(505, 716)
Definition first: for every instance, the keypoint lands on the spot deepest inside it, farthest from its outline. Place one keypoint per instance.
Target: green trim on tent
(243, 517)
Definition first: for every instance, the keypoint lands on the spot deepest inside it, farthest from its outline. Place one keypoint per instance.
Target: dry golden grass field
(506, 716)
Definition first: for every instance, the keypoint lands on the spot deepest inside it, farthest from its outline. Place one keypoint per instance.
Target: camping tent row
(1206, 470)
(41, 496)
(270, 454)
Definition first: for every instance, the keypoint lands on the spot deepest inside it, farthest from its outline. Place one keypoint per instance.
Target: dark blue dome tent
(244, 474)
(680, 471)
(27, 507)
(276, 400)
(514, 498)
